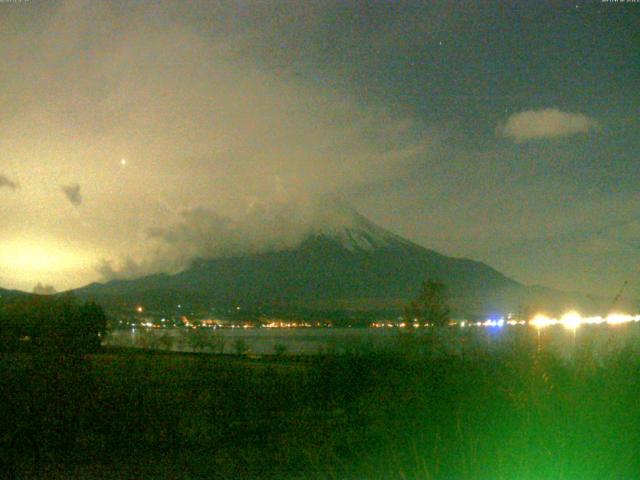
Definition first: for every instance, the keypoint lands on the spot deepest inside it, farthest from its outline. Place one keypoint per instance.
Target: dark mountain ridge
(357, 267)
(10, 294)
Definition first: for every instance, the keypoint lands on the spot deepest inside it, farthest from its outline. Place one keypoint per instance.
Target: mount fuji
(357, 266)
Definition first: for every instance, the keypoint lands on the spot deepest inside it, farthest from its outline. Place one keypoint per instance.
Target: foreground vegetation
(48, 324)
(516, 413)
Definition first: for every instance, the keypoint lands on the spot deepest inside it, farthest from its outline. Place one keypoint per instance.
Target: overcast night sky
(503, 132)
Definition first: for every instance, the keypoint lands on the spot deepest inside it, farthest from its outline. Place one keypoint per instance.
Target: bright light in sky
(34, 257)
(46, 261)
(123, 162)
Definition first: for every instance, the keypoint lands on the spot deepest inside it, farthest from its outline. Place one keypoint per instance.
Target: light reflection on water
(601, 340)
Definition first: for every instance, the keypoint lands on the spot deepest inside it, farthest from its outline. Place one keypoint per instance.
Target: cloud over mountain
(546, 123)
(278, 224)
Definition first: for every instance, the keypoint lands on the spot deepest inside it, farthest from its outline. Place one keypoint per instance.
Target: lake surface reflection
(600, 340)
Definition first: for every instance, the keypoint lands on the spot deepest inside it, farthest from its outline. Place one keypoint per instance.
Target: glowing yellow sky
(31, 261)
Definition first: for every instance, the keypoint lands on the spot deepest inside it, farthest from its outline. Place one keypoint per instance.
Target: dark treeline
(51, 324)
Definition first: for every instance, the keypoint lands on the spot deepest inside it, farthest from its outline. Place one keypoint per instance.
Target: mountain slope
(360, 266)
(11, 294)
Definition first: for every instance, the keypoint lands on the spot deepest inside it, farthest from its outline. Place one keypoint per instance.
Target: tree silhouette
(431, 306)
(51, 323)
(92, 324)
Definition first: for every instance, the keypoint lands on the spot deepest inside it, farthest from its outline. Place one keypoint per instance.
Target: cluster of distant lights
(208, 324)
(570, 320)
(284, 324)
(573, 320)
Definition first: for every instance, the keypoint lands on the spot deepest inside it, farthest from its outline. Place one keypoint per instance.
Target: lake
(602, 340)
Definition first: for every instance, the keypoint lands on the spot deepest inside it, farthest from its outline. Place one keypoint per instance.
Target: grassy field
(513, 414)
